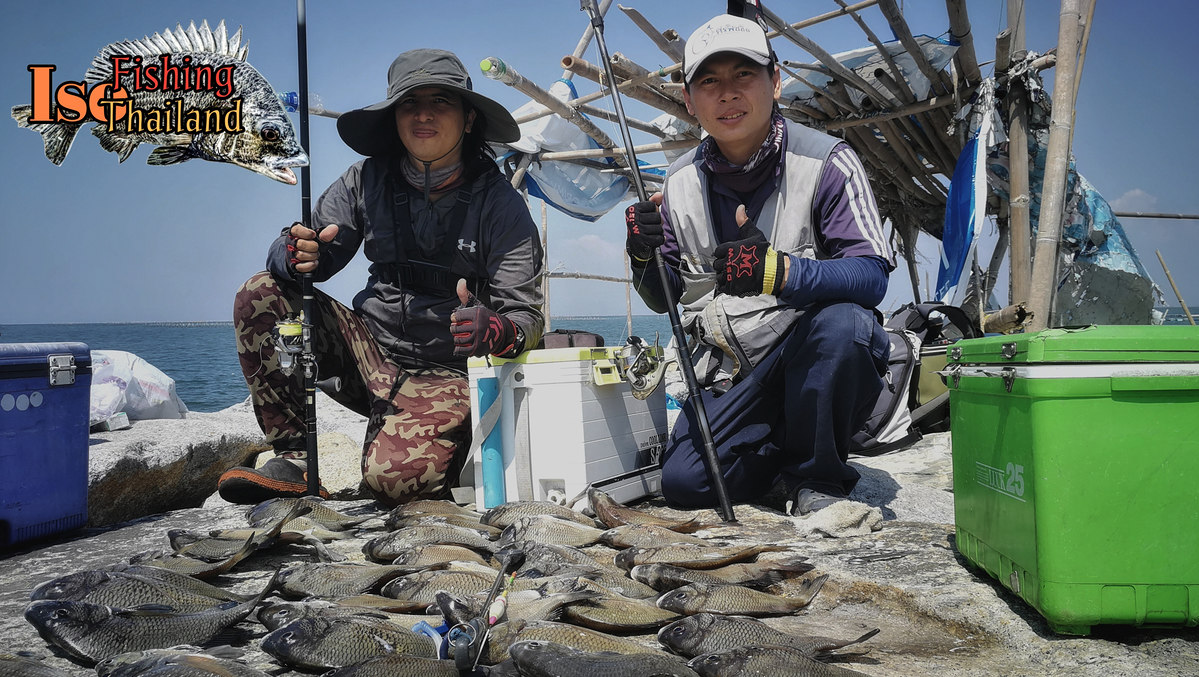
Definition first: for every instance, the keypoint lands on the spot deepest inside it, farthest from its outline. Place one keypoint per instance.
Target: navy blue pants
(791, 417)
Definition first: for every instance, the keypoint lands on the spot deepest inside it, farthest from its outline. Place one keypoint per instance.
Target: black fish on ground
(125, 590)
(319, 511)
(549, 529)
(619, 614)
(505, 514)
(545, 556)
(389, 546)
(276, 615)
(252, 128)
(548, 659)
(428, 556)
(613, 514)
(422, 586)
(92, 632)
(464, 521)
(695, 598)
(663, 577)
(180, 661)
(693, 556)
(711, 633)
(505, 634)
(427, 506)
(766, 661)
(16, 665)
(190, 566)
(397, 665)
(649, 535)
(180, 581)
(330, 581)
(325, 643)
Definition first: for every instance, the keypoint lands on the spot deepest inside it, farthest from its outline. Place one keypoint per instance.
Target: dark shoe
(277, 478)
(808, 501)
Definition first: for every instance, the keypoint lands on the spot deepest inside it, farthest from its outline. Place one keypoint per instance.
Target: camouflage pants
(418, 419)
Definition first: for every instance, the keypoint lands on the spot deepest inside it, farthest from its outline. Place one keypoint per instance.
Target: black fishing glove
(478, 331)
(749, 266)
(644, 224)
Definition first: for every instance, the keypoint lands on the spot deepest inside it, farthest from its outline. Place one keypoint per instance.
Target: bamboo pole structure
(899, 26)
(594, 96)
(810, 46)
(1170, 277)
(1044, 272)
(824, 17)
(959, 30)
(618, 152)
(587, 37)
(639, 125)
(671, 48)
(587, 276)
(642, 93)
(522, 168)
(496, 69)
(1019, 198)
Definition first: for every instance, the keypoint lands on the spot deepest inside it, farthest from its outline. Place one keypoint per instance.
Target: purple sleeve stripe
(861, 201)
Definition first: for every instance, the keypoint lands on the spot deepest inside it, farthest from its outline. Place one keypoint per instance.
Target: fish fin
(169, 155)
(57, 137)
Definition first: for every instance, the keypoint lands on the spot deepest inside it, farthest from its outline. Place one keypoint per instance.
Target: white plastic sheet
(122, 381)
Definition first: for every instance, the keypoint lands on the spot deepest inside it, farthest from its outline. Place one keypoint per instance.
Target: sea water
(202, 356)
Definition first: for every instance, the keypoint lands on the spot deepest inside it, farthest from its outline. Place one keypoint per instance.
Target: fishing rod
(676, 326)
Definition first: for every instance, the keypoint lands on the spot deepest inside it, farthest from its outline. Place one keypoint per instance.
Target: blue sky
(97, 241)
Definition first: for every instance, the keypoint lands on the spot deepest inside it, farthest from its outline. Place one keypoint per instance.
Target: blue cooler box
(44, 396)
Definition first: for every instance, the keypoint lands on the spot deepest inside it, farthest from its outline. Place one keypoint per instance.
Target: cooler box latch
(604, 373)
(62, 370)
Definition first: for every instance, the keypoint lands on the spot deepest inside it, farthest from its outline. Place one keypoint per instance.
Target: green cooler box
(1076, 470)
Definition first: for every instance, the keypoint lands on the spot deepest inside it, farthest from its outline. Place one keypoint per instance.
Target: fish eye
(58, 613)
(270, 133)
(288, 637)
(678, 631)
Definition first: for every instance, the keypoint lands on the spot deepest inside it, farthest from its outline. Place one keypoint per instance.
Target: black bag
(570, 338)
(897, 420)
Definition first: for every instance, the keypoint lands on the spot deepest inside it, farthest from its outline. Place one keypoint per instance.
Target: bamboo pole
(671, 48)
(1156, 215)
(825, 17)
(918, 107)
(1005, 321)
(588, 35)
(619, 152)
(639, 125)
(641, 93)
(522, 168)
(1019, 197)
(1082, 57)
(623, 87)
(901, 89)
(626, 69)
(959, 30)
(1044, 272)
(1186, 309)
(587, 276)
(496, 69)
(899, 26)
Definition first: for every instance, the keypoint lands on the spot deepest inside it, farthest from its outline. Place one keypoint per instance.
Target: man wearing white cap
(777, 255)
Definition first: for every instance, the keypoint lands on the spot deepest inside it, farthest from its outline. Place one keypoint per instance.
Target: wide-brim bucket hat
(372, 130)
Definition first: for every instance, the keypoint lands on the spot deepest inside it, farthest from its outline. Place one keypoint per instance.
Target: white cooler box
(566, 419)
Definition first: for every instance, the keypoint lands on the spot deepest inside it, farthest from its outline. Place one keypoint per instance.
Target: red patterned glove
(479, 331)
(749, 266)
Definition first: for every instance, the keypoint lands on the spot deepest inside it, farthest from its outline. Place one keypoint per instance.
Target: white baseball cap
(725, 33)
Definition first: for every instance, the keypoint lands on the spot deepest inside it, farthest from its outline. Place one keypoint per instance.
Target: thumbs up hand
(478, 330)
(748, 266)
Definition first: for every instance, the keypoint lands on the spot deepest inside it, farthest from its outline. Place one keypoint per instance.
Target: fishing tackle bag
(898, 419)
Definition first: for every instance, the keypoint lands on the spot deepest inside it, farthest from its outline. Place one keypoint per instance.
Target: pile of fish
(527, 588)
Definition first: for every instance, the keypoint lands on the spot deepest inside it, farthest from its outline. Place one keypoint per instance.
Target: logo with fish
(188, 91)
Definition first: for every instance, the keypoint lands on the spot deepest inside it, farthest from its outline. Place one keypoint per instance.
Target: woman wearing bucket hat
(455, 271)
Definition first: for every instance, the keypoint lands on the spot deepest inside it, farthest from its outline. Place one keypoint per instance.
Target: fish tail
(809, 590)
(56, 136)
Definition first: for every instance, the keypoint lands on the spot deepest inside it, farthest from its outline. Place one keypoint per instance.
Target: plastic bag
(123, 381)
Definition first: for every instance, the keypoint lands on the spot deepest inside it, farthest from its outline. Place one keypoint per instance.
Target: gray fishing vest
(729, 335)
